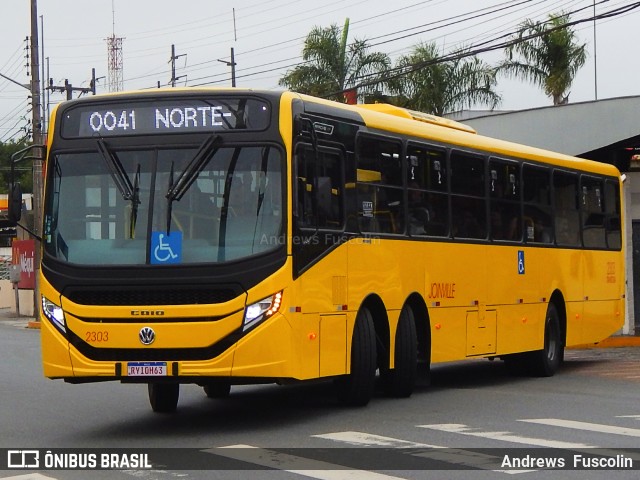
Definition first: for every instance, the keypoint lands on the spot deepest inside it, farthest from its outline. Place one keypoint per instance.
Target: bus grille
(152, 296)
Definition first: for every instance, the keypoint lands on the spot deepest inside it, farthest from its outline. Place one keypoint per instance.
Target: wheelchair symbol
(166, 248)
(520, 262)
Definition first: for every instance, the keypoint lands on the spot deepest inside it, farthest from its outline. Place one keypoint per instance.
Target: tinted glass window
(612, 211)
(379, 185)
(593, 217)
(504, 190)
(468, 202)
(320, 188)
(567, 212)
(537, 220)
(428, 207)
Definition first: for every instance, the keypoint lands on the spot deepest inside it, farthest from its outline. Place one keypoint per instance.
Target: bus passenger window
(468, 201)
(612, 214)
(380, 196)
(536, 190)
(428, 207)
(593, 218)
(567, 211)
(320, 187)
(504, 190)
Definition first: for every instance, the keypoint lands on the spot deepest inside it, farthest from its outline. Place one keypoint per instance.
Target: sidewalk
(8, 316)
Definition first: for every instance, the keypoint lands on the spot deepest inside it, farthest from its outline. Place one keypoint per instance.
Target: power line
(467, 17)
(479, 48)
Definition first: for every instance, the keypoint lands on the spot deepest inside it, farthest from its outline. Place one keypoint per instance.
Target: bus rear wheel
(163, 397)
(545, 362)
(400, 381)
(356, 388)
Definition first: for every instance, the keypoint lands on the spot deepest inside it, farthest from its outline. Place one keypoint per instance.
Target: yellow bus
(225, 236)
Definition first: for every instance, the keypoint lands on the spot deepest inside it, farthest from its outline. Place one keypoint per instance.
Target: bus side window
(593, 218)
(428, 205)
(612, 214)
(379, 185)
(468, 196)
(320, 188)
(536, 190)
(504, 190)
(567, 210)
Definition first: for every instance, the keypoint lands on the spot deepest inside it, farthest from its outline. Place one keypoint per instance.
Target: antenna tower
(114, 48)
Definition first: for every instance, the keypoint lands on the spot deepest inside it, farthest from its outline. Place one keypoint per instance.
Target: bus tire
(163, 397)
(400, 381)
(545, 362)
(356, 388)
(217, 390)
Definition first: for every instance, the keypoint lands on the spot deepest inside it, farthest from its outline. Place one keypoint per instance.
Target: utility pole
(174, 57)
(595, 52)
(231, 64)
(45, 119)
(37, 140)
(69, 88)
(233, 68)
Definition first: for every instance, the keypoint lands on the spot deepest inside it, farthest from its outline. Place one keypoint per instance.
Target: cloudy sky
(267, 37)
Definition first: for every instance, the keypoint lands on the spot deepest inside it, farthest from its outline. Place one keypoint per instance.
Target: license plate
(147, 369)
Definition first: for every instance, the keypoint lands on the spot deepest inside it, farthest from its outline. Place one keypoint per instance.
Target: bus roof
(390, 118)
(398, 120)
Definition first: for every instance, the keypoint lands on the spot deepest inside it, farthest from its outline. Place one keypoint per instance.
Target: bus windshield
(163, 205)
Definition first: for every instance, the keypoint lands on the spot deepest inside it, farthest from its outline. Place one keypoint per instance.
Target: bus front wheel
(356, 388)
(163, 397)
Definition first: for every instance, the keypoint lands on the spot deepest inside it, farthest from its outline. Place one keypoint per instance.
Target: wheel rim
(552, 340)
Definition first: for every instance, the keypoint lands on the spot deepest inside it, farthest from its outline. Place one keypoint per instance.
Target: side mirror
(15, 204)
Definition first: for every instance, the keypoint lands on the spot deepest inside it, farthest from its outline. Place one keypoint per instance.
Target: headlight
(261, 310)
(54, 313)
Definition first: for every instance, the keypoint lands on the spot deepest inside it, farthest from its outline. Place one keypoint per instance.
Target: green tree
(437, 85)
(23, 170)
(332, 65)
(546, 54)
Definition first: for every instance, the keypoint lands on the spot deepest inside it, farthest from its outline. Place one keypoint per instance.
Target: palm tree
(332, 66)
(550, 55)
(437, 85)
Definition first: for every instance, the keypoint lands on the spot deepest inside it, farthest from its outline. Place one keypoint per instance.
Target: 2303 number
(94, 337)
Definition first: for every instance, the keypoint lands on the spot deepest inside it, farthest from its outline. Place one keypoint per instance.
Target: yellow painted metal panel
(333, 345)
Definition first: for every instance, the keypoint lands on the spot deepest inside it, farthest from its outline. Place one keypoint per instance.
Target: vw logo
(147, 335)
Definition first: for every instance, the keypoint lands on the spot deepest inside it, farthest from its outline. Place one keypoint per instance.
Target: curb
(618, 341)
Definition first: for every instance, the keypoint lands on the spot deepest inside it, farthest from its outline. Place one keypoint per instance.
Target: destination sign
(165, 116)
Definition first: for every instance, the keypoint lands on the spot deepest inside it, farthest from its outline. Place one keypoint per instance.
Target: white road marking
(305, 466)
(28, 476)
(455, 456)
(504, 436)
(591, 427)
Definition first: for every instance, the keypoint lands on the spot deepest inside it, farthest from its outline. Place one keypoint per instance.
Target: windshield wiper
(118, 173)
(189, 175)
(123, 183)
(135, 201)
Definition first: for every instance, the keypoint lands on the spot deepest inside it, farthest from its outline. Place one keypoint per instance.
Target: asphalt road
(459, 427)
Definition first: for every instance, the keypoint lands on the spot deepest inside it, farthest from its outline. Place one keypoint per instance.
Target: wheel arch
(423, 326)
(557, 299)
(378, 311)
